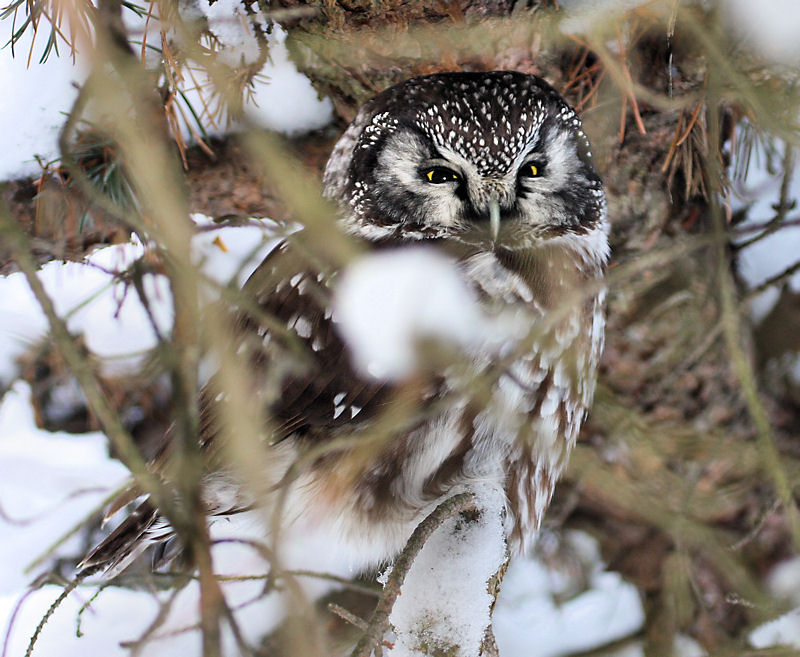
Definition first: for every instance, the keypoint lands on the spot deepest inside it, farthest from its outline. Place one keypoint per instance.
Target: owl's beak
(494, 219)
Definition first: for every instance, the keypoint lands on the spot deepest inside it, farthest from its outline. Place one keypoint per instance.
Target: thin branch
(784, 204)
(773, 280)
(348, 616)
(12, 619)
(69, 588)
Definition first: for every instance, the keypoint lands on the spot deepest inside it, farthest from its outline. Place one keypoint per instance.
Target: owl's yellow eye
(532, 170)
(439, 175)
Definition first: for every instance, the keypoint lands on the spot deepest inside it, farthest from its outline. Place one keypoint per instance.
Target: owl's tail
(138, 531)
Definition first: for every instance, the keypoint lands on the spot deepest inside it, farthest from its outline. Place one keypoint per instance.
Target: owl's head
(437, 156)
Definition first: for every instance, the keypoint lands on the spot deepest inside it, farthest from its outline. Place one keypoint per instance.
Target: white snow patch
(771, 27)
(386, 302)
(444, 600)
(527, 614)
(287, 102)
(686, 646)
(231, 26)
(784, 631)
(283, 99)
(783, 581)
(109, 314)
(584, 15)
(116, 615)
(33, 104)
(233, 252)
(49, 482)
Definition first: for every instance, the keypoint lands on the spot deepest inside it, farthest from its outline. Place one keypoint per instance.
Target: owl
(493, 171)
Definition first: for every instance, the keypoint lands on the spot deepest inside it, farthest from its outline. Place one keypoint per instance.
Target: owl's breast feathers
(422, 437)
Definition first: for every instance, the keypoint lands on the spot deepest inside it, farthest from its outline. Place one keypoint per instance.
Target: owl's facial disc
(430, 158)
(429, 185)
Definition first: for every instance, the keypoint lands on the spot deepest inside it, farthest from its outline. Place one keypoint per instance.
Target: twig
(136, 645)
(783, 206)
(380, 617)
(69, 588)
(348, 616)
(87, 605)
(773, 280)
(71, 531)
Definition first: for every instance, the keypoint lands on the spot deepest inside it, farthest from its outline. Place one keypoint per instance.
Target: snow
(229, 23)
(444, 601)
(229, 254)
(386, 302)
(527, 619)
(108, 313)
(49, 482)
(770, 27)
(758, 193)
(283, 98)
(287, 102)
(114, 323)
(126, 611)
(782, 582)
(35, 109)
(581, 16)
(527, 613)
(783, 631)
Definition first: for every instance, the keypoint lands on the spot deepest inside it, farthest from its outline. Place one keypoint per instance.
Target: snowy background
(49, 482)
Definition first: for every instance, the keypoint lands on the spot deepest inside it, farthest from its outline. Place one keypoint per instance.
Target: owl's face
(437, 156)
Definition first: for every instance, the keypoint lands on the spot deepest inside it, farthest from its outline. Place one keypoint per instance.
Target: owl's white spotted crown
(476, 124)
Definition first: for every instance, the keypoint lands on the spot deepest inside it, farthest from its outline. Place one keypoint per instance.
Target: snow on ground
(35, 109)
(529, 620)
(49, 482)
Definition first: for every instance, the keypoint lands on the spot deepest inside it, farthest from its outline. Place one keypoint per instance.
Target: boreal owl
(493, 170)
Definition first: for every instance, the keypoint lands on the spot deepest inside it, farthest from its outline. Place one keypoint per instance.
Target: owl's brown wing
(298, 351)
(286, 323)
